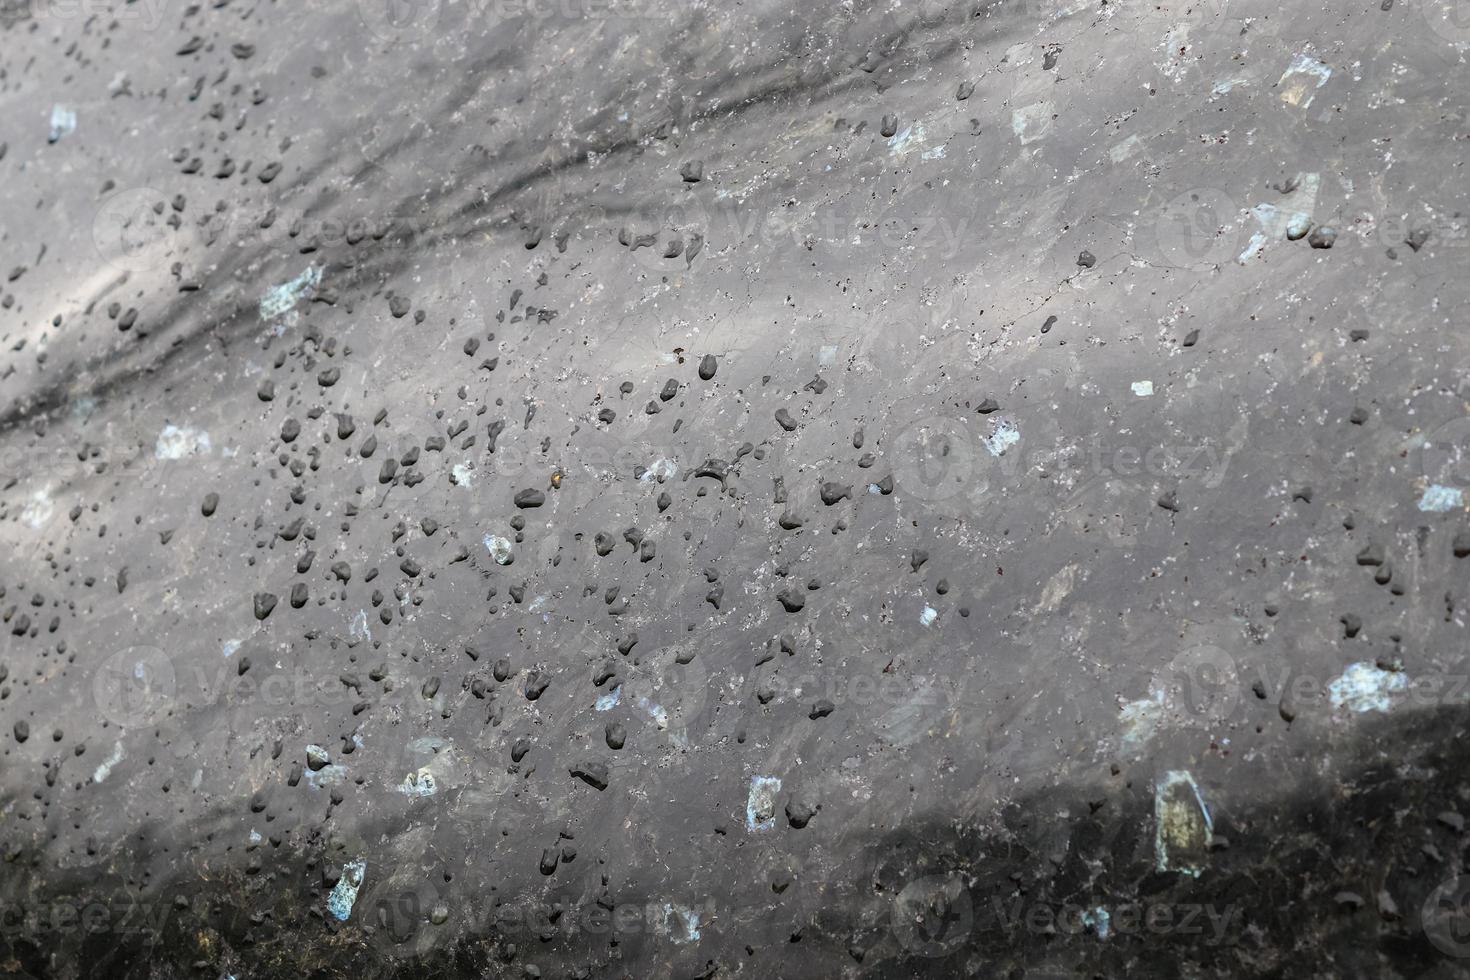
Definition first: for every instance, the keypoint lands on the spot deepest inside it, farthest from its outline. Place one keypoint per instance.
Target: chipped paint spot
(1033, 122)
(499, 549)
(332, 775)
(1119, 152)
(685, 924)
(230, 647)
(419, 783)
(63, 122)
(38, 509)
(610, 700)
(1004, 435)
(1301, 80)
(283, 299)
(928, 616)
(936, 153)
(1143, 389)
(1183, 825)
(176, 442)
(661, 470)
(1439, 499)
(464, 474)
(1100, 921)
(760, 804)
(656, 712)
(344, 893)
(359, 630)
(105, 769)
(1366, 687)
(1140, 719)
(906, 140)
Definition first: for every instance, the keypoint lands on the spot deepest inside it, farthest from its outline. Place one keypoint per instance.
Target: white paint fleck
(661, 470)
(1366, 687)
(610, 700)
(463, 474)
(230, 647)
(928, 616)
(358, 629)
(1119, 152)
(1143, 389)
(176, 442)
(655, 711)
(1140, 719)
(419, 783)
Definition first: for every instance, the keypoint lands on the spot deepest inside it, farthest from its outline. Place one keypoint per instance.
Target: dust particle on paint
(1366, 687)
(760, 803)
(344, 893)
(176, 442)
(1439, 499)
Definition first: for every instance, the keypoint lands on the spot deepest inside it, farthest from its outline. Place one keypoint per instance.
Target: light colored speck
(1182, 824)
(1143, 389)
(928, 616)
(464, 474)
(610, 700)
(38, 509)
